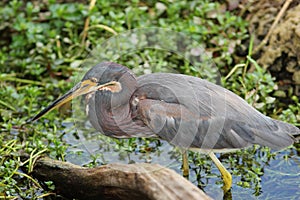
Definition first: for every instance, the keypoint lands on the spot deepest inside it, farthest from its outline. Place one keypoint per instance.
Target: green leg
(185, 163)
(226, 176)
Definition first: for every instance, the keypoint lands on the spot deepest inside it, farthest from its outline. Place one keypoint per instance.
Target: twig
(7, 105)
(233, 70)
(101, 26)
(12, 78)
(278, 17)
(87, 22)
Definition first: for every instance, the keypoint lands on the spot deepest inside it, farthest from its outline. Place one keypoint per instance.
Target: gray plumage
(186, 111)
(213, 117)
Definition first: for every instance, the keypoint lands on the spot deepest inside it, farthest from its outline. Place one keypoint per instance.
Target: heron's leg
(226, 176)
(185, 163)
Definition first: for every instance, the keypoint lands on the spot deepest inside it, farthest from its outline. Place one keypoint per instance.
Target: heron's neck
(111, 111)
(114, 121)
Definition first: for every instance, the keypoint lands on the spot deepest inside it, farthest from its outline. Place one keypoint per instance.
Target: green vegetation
(42, 45)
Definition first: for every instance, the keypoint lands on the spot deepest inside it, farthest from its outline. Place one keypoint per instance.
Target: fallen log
(116, 181)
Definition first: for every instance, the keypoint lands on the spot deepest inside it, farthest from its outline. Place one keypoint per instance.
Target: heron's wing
(181, 127)
(212, 106)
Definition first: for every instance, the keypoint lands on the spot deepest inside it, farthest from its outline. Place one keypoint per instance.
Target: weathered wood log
(116, 181)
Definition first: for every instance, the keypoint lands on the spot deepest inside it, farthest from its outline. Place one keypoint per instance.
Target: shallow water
(280, 178)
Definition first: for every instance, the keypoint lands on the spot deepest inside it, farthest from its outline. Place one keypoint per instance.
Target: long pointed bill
(79, 89)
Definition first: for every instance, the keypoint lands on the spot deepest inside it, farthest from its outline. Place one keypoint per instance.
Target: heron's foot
(227, 178)
(186, 172)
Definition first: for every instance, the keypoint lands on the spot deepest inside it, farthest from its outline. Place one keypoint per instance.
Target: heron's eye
(93, 79)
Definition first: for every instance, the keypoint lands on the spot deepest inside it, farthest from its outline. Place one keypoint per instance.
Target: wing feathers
(191, 112)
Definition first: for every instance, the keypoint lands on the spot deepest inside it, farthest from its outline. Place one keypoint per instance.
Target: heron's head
(105, 78)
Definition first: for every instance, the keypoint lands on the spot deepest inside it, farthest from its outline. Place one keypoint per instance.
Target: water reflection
(257, 173)
(89, 146)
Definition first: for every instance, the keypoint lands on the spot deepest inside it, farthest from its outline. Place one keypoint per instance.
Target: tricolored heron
(186, 111)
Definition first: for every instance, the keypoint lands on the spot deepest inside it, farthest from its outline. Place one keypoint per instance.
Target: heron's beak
(79, 89)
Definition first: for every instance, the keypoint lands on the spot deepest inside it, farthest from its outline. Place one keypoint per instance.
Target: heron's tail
(275, 134)
(288, 129)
